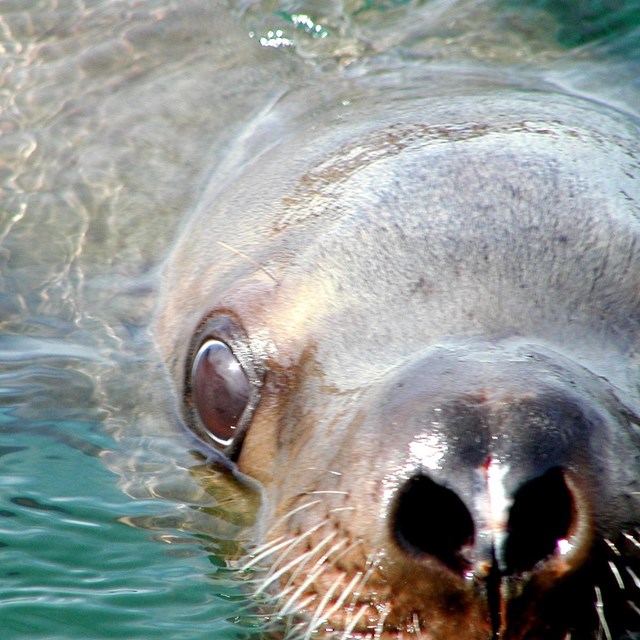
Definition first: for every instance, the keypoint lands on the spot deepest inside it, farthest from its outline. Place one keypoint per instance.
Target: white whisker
(344, 595)
(634, 606)
(350, 586)
(612, 546)
(352, 625)
(300, 538)
(248, 259)
(373, 564)
(303, 605)
(634, 577)
(290, 632)
(318, 616)
(266, 549)
(324, 470)
(265, 553)
(313, 574)
(416, 626)
(319, 492)
(380, 626)
(299, 508)
(631, 539)
(265, 545)
(336, 509)
(604, 627)
(616, 574)
(330, 536)
(272, 576)
(292, 626)
(290, 544)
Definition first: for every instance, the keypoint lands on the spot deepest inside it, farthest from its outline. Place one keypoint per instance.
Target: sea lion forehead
(328, 231)
(442, 229)
(315, 189)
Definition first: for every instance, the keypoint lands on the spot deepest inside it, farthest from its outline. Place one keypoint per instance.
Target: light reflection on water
(98, 159)
(109, 114)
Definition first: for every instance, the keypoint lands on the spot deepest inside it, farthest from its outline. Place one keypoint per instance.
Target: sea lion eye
(220, 390)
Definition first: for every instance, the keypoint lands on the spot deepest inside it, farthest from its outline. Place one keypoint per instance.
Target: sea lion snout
(465, 494)
(495, 471)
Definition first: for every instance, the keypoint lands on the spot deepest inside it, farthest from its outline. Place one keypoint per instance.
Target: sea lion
(408, 305)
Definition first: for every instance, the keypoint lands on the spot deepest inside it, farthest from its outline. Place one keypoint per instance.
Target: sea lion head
(418, 329)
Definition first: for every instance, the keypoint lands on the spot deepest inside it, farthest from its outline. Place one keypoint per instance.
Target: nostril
(430, 519)
(541, 516)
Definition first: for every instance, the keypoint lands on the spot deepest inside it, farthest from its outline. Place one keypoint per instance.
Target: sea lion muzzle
(488, 484)
(479, 474)
(495, 480)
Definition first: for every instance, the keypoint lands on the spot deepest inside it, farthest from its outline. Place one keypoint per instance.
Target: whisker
(616, 575)
(316, 549)
(291, 626)
(291, 632)
(265, 545)
(319, 492)
(306, 506)
(302, 629)
(299, 508)
(352, 625)
(352, 583)
(267, 580)
(313, 574)
(300, 538)
(290, 543)
(604, 627)
(612, 546)
(317, 617)
(634, 606)
(351, 607)
(272, 577)
(631, 539)
(251, 609)
(243, 255)
(302, 605)
(380, 626)
(345, 594)
(416, 626)
(337, 509)
(634, 577)
(373, 565)
(267, 550)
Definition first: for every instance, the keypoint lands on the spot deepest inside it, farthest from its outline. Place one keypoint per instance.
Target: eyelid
(220, 391)
(226, 328)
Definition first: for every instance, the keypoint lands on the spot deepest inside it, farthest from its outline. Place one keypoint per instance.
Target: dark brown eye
(220, 390)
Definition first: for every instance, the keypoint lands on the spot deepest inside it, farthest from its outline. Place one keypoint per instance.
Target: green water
(73, 566)
(72, 569)
(110, 113)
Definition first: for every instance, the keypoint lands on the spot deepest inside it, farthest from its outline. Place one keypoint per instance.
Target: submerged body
(427, 285)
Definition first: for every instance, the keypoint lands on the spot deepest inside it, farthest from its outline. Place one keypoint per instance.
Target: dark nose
(500, 488)
(544, 517)
(539, 536)
(423, 502)
(431, 520)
